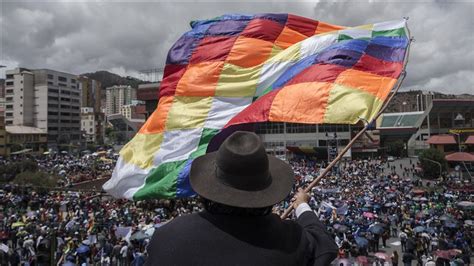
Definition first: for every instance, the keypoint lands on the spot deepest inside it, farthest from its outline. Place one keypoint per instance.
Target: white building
(91, 91)
(126, 111)
(46, 99)
(277, 137)
(88, 124)
(117, 97)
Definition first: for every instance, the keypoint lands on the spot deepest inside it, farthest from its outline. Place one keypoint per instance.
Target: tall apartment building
(117, 97)
(45, 99)
(148, 93)
(88, 124)
(2, 93)
(133, 111)
(3, 134)
(91, 90)
(91, 101)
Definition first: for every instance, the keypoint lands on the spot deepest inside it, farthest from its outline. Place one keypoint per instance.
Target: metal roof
(454, 105)
(24, 130)
(470, 140)
(460, 157)
(400, 120)
(441, 139)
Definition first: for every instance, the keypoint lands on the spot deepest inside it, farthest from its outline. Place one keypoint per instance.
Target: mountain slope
(108, 79)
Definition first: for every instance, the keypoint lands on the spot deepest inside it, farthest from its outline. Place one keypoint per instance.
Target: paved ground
(404, 162)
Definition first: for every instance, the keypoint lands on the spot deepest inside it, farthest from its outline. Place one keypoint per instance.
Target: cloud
(127, 37)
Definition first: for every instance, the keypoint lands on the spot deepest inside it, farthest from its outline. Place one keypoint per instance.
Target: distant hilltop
(108, 79)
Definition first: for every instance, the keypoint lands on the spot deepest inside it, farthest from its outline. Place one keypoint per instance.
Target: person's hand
(301, 197)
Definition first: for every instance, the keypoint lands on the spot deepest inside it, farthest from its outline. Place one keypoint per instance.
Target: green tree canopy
(40, 179)
(395, 148)
(431, 160)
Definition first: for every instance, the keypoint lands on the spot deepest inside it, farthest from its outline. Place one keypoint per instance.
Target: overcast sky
(127, 36)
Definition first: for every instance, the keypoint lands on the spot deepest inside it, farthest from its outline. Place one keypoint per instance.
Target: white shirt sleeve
(303, 207)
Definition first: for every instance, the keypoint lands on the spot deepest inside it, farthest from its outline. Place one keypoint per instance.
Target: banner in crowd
(239, 69)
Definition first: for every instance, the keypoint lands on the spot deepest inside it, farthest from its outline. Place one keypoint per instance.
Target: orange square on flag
(249, 52)
(156, 122)
(301, 103)
(200, 80)
(288, 37)
(376, 85)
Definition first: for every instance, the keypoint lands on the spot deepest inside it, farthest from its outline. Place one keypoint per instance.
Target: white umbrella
(469, 222)
(150, 231)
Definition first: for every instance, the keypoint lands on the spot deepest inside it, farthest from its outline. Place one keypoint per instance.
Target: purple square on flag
(198, 30)
(227, 27)
(280, 18)
(181, 51)
(346, 58)
(385, 53)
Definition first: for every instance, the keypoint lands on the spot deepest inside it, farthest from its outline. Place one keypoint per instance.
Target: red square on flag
(213, 48)
(302, 25)
(263, 29)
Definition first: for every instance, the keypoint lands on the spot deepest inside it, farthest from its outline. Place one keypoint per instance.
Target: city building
(88, 124)
(2, 93)
(133, 111)
(445, 124)
(91, 92)
(149, 93)
(123, 129)
(45, 99)
(307, 139)
(117, 97)
(3, 133)
(24, 139)
(2, 88)
(92, 99)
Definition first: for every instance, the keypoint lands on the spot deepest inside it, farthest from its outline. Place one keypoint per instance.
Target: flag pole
(348, 146)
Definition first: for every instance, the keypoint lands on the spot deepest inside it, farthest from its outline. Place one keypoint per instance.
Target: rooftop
(441, 139)
(455, 105)
(470, 140)
(24, 130)
(154, 85)
(399, 120)
(460, 157)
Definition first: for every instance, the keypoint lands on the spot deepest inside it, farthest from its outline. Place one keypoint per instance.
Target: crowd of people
(70, 169)
(373, 206)
(378, 212)
(75, 169)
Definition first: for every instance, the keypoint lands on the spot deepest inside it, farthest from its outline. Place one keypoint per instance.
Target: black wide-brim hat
(241, 174)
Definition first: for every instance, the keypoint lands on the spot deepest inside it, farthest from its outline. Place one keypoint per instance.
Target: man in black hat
(238, 185)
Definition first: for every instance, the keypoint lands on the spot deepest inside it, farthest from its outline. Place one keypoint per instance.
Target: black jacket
(209, 239)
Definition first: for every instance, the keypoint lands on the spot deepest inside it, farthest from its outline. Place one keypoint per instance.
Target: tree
(91, 147)
(28, 165)
(40, 179)
(431, 160)
(9, 171)
(395, 148)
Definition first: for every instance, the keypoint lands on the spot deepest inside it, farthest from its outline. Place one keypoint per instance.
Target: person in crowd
(403, 240)
(394, 258)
